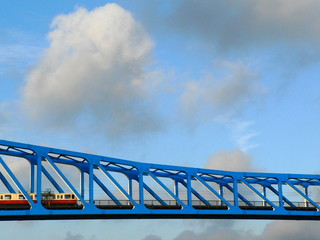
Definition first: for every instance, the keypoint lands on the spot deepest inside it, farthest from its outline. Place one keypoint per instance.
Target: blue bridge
(47, 183)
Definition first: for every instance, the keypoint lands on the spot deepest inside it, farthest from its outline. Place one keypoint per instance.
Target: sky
(229, 85)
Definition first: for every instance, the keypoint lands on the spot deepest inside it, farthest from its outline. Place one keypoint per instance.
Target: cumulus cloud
(93, 74)
(233, 160)
(221, 98)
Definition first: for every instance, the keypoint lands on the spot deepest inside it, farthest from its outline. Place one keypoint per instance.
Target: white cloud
(233, 160)
(93, 75)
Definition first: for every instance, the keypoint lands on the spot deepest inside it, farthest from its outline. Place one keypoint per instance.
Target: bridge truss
(108, 188)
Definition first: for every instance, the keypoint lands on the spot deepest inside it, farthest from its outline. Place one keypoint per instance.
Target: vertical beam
(176, 188)
(189, 190)
(39, 178)
(235, 192)
(221, 193)
(82, 183)
(32, 180)
(264, 191)
(130, 188)
(306, 192)
(141, 187)
(91, 193)
(280, 193)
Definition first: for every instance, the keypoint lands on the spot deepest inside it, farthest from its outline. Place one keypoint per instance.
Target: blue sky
(222, 84)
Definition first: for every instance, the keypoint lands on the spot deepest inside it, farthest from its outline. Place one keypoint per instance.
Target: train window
(1, 197)
(72, 196)
(7, 196)
(67, 196)
(21, 197)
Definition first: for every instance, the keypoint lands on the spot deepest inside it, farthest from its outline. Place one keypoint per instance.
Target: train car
(48, 200)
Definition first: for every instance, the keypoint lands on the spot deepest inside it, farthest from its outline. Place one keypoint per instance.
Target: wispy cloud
(19, 50)
(243, 135)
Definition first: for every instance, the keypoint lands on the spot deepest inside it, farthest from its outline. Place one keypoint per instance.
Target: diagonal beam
(117, 185)
(166, 188)
(194, 192)
(214, 192)
(283, 197)
(239, 195)
(51, 179)
(106, 190)
(303, 195)
(16, 182)
(258, 193)
(64, 179)
(6, 183)
(154, 194)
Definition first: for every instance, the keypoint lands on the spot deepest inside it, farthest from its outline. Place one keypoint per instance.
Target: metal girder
(112, 188)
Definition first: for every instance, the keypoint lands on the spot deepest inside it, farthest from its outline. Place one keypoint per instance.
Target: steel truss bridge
(110, 188)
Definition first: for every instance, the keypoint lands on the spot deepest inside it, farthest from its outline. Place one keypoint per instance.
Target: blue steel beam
(135, 204)
(6, 183)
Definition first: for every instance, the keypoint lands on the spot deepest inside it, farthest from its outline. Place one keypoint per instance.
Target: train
(48, 200)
